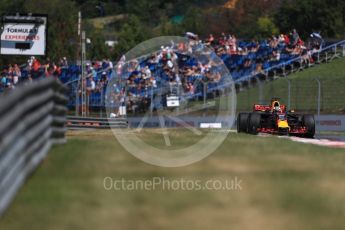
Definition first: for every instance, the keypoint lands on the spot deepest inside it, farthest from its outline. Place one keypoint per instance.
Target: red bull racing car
(274, 119)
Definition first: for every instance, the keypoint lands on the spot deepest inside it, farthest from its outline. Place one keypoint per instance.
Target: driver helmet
(276, 106)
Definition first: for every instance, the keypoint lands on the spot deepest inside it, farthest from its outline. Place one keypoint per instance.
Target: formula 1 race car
(274, 119)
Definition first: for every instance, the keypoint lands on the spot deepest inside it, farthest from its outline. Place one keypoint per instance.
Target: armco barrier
(96, 123)
(324, 123)
(194, 121)
(32, 118)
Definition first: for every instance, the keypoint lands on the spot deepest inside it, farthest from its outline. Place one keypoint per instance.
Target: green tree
(168, 28)
(312, 15)
(11, 6)
(266, 27)
(97, 50)
(194, 21)
(147, 11)
(132, 33)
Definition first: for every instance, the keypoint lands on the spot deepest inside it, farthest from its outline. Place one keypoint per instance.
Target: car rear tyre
(309, 123)
(242, 122)
(254, 122)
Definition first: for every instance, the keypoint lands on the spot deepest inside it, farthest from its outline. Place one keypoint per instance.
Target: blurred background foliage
(130, 22)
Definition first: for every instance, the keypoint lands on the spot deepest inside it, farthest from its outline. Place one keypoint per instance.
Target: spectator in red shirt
(36, 65)
(287, 39)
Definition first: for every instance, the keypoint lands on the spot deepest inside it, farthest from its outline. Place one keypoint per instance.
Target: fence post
(83, 77)
(179, 97)
(261, 96)
(204, 96)
(151, 104)
(88, 98)
(318, 97)
(125, 99)
(205, 93)
(77, 100)
(289, 94)
(102, 102)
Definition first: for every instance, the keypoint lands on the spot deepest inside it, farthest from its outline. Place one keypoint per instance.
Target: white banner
(24, 38)
(330, 123)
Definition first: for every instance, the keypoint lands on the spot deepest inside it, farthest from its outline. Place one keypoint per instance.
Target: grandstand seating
(235, 63)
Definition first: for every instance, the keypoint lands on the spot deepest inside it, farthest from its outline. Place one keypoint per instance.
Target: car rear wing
(267, 108)
(261, 108)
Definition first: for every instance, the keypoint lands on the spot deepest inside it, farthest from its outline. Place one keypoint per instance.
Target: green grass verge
(304, 89)
(285, 185)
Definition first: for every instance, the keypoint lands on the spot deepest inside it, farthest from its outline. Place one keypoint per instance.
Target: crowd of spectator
(245, 58)
(171, 70)
(13, 74)
(171, 67)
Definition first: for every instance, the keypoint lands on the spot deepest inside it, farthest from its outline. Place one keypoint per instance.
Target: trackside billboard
(23, 35)
(330, 123)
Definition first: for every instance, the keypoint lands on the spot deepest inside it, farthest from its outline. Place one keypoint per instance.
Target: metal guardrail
(96, 123)
(32, 118)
